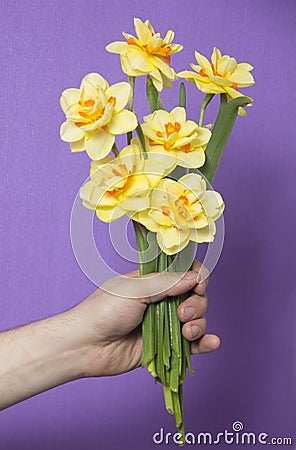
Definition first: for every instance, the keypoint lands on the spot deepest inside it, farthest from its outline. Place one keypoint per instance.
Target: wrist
(38, 357)
(70, 345)
(82, 340)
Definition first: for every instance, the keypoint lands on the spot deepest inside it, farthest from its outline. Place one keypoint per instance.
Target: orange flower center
(91, 118)
(217, 74)
(169, 129)
(184, 200)
(186, 148)
(164, 51)
(165, 210)
(181, 208)
(124, 173)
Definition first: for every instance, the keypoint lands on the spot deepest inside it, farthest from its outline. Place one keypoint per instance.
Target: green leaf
(153, 96)
(141, 137)
(182, 95)
(203, 107)
(177, 173)
(220, 134)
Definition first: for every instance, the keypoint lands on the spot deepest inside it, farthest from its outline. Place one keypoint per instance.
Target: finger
(196, 265)
(200, 288)
(166, 284)
(193, 307)
(194, 329)
(133, 274)
(203, 277)
(152, 287)
(207, 343)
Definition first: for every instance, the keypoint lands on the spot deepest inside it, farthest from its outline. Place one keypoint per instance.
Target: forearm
(37, 357)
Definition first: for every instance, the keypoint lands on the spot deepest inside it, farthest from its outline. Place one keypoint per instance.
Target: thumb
(157, 286)
(152, 287)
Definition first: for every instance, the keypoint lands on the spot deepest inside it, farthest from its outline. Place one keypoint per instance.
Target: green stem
(145, 266)
(204, 104)
(148, 325)
(166, 337)
(130, 105)
(168, 398)
(115, 150)
(153, 96)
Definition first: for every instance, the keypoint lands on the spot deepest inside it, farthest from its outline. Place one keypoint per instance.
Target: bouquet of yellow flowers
(161, 179)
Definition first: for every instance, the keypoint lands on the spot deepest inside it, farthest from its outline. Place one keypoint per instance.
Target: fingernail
(190, 275)
(198, 278)
(195, 330)
(189, 312)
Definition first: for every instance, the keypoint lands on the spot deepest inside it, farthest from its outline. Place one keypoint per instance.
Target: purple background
(49, 46)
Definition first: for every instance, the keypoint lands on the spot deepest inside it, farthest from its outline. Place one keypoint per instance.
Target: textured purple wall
(49, 46)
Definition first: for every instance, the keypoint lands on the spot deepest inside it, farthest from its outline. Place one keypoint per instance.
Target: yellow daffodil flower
(182, 211)
(222, 75)
(94, 114)
(171, 134)
(122, 184)
(147, 53)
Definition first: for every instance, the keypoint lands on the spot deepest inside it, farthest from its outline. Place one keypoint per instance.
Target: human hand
(100, 336)
(109, 324)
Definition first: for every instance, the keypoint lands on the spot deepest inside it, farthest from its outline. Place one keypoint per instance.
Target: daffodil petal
(215, 56)
(117, 47)
(245, 66)
(68, 98)
(160, 217)
(142, 30)
(157, 79)
(121, 92)
(169, 37)
(242, 78)
(96, 165)
(140, 186)
(163, 67)
(109, 214)
(172, 188)
(122, 122)
(242, 112)
(213, 204)
(99, 144)
(135, 203)
(172, 240)
(205, 234)
(86, 192)
(78, 146)
(209, 87)
(225, 65)
(69, 132)
(143, 218)
(127, 67)
(139, 60)
(203, 136)
(188, 128)
(89, 86)
(188, 75)
(204, 63)
(194, 182)
(192, 159)
(179, 114)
